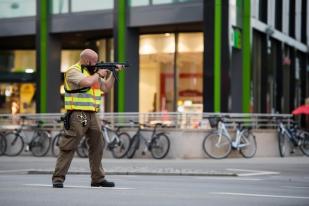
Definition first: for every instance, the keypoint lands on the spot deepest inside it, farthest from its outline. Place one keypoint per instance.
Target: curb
(45, 172)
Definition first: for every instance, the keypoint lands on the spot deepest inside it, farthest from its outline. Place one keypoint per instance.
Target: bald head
(88, 57)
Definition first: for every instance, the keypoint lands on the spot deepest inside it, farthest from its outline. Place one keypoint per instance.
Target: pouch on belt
(66, 120)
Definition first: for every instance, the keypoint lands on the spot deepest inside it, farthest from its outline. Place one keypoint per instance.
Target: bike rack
(173, 120)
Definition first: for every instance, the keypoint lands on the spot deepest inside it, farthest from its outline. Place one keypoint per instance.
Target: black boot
(104, 183)
(57, 184)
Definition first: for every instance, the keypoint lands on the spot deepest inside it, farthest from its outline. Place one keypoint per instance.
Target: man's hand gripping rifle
(114, 67)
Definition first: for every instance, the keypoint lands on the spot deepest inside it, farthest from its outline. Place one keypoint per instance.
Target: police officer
(83, 94)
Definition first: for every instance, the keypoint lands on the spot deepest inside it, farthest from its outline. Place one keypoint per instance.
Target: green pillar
(48, 57)
(217, 56)
(120, 45)
(246, 58)
(126, 41)
(42, 36)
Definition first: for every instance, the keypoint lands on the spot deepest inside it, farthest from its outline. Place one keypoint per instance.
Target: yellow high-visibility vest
(89, 100)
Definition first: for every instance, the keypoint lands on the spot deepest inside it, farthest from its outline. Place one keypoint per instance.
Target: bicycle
(2, 143)
(82, 148)
(291, 138)
(55, 143)
(219, 143)
(116, 141)
(56, 139)
(158, 144)
(38, 145)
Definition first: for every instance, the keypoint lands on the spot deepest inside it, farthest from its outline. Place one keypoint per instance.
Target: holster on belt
(66, 120)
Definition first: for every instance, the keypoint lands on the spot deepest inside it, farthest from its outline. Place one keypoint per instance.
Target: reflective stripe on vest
(88, 101)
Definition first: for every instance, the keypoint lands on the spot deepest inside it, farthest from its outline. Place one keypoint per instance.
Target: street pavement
(199, 167)
(26, 180)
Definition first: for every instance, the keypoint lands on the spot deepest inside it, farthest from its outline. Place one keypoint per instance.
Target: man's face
(93, 60)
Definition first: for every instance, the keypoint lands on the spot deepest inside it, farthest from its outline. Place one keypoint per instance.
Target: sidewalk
(194, 167)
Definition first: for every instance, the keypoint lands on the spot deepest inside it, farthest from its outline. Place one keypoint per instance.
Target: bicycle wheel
(304, 146)
(134, 145)
(40, 144)
(82, 149)
(217, 146)
(2, 144)
(248, 145)
(121, 148)
(284, 144)
(14, 144)
(159, 146)
(55, 145)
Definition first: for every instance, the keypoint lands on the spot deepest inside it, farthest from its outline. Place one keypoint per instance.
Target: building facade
(185, 55)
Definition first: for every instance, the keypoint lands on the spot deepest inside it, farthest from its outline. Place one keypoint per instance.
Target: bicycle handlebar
(214, 121)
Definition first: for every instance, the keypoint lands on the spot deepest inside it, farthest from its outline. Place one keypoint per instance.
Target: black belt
(88, 111)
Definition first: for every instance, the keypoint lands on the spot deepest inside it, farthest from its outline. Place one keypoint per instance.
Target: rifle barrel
(107, 65)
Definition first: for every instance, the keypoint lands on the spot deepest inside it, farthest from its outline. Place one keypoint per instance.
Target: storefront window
(106, 54)
(106, 49)
(156, 86)
(17, 61)
(161, 79)
(68, 58)
(17, 98)
(190, 72)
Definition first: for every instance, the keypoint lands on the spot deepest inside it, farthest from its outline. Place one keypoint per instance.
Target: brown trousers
(68, 145)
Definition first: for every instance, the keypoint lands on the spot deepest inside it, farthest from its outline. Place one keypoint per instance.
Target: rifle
(111, 66)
